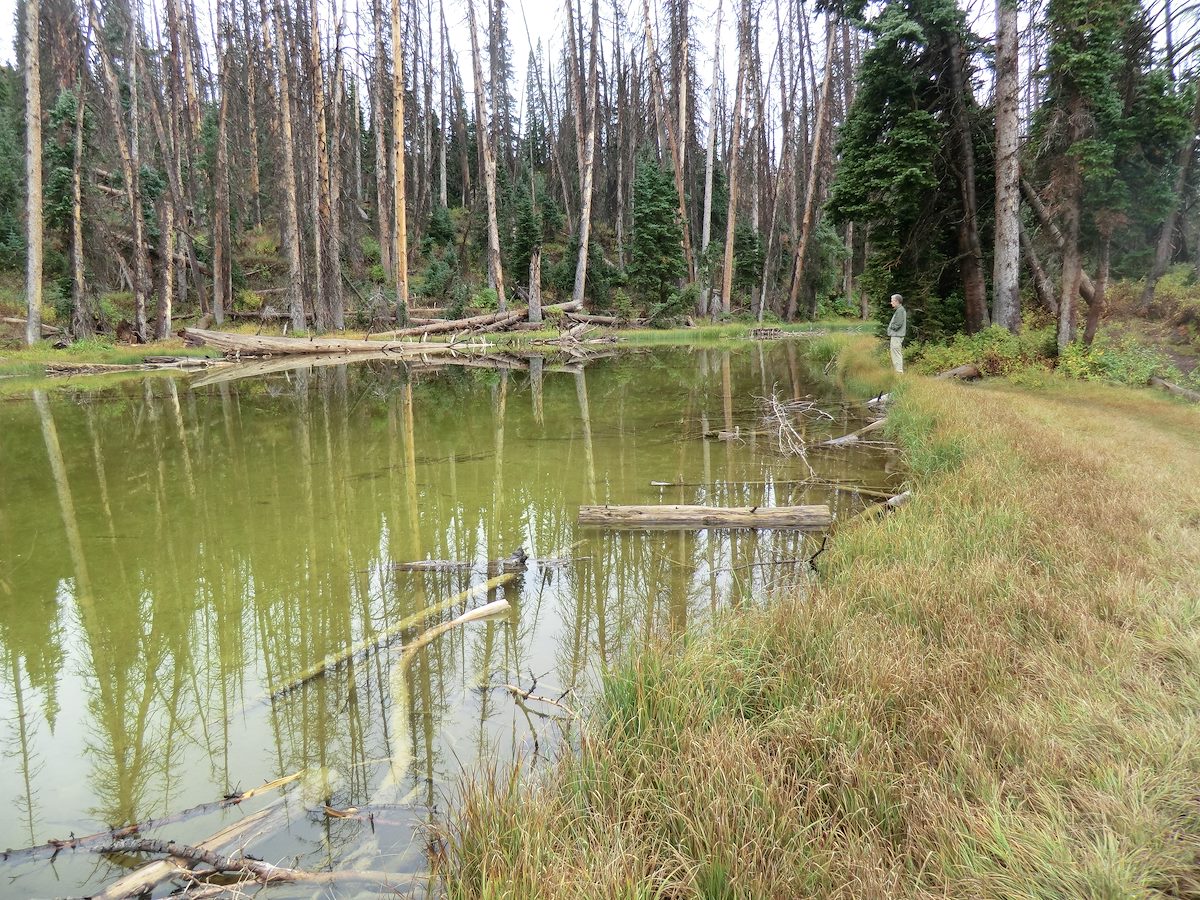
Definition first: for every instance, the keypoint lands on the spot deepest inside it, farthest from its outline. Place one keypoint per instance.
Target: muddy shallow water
(176, 550)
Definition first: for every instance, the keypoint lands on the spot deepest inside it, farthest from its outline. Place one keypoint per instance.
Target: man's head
(897, 300)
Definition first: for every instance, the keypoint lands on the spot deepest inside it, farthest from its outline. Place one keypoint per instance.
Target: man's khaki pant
(897, 354)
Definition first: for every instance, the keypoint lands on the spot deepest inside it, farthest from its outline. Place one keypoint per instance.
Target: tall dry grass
(993, 692)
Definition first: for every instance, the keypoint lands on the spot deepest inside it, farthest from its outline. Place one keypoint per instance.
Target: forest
(325, 166)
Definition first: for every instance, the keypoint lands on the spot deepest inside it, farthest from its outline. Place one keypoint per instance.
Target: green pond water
(176, 550)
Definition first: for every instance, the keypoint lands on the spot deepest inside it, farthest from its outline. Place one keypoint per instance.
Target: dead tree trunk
(291, 212)
(734, 141)
(1006, 302)
(483, 130)
(589, 159)
(400, 222)
(807, 223)
(33, 175)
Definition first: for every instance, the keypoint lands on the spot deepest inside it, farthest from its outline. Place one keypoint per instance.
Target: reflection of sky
(219, 574)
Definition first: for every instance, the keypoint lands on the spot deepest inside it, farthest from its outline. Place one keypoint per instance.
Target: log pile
(251, 345)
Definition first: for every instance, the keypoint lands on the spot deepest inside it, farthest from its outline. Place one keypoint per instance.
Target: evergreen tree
(656, 247)
(895, 173)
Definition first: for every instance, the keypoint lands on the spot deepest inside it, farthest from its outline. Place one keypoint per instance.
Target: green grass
(990, 692)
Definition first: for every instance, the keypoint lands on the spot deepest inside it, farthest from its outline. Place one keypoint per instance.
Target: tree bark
(222, 269)
(384, 225)
(1006, 297)
(291, 213)
(807, 223)
(971, 265)
(400, 221)
(483, 129)
(589, 160)
(33, 174)
(1041, 282)
(735, 140)
(1072, 201)
(1096, 308)
(706, 222)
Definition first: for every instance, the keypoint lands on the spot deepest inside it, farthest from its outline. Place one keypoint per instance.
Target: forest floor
(989, 692)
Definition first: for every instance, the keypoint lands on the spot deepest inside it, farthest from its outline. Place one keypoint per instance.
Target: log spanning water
(685, 517)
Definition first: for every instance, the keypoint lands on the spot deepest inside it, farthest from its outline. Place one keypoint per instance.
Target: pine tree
(656, 247)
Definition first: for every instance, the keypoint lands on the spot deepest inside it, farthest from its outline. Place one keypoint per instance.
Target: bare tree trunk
(384, 225)
(971, 264)
(81, 315)
(222, 269)
(1041, 282)
(589, 159)
(333, 187)
(291, 212)
(252, 120)
(735, 140)
(483, 130)
(706, 223)
(1072, 200)
(400, 222)
(1086, 289)
(807, 223)
(1166, 238)
(673, 145)
(128, 170)
(1096, 310)
(535, 284)
(442, 109)
(1006, 302)
(33, 174)
(166, 290)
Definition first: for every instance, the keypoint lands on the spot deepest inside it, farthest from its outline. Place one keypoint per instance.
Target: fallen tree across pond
(246, 345)
(672, 516)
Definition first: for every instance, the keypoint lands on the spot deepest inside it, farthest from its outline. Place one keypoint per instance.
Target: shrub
(995, 350)
(1125, 362)
(486, 300)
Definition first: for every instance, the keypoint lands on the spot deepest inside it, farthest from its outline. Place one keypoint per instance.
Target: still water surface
(173, 551)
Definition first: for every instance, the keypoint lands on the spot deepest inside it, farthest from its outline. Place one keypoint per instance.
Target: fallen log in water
(468, 324)
(149, 364)
(391, 632)
(239, 345)
(853, 437)
(258, 870)
(54, 846)
(1176, 389)
(668, 516)
(143, 880)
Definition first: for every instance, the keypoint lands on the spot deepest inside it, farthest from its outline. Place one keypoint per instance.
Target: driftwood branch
(1176, 389)
(263, 872)
(855, 436)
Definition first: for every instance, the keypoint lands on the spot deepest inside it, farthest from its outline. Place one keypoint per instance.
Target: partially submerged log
(1176, 389)
(250, 345)
(383, 637)
(966, 372)
(149, 364)
(855, 436)
(258, 870)
(144, 879)
(557, 309)
(517, 561)
(689, 517)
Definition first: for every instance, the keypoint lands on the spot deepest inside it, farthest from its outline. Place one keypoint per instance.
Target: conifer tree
(656, 246)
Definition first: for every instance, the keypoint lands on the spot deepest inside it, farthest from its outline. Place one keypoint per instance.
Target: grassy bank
(991, 693)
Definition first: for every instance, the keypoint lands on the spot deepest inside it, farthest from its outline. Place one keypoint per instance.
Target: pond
(178, 553)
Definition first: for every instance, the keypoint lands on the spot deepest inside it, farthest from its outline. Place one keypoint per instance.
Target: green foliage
(898, 159)
(486, 300)
(995, 350)
(12, 168)
(441, 227)
(435, 279)
(370, 249)
(527, 234)
(749, 255)
(1124, 362)
(656, 246)
(460, 296)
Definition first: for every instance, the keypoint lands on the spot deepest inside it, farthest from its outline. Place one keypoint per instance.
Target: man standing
(897, 329)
